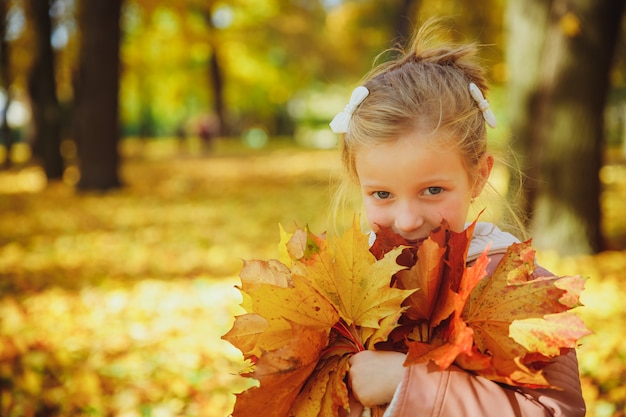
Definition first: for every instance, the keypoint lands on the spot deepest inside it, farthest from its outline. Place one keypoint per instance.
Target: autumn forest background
(147, 147)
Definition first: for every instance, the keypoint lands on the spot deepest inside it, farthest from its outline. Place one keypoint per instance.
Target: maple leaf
(245, 334)
(505, 327)
(252, 333)
(258, 272)
(356, 283)
(437, 269)
(302, 244)
(300, 303)
(339, 296)
(386, 241)
(514, 314)
(273, 297)
(334, 290)
(426, 276)
(456, 337)
(549, 334)
(325, 392)
(265, 272)
(281, 372)
(456, 277)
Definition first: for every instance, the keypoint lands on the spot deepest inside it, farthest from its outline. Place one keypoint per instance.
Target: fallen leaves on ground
(68, 258)
(116, 350)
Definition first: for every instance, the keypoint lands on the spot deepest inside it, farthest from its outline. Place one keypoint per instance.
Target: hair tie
(483, 105)
(340, 122)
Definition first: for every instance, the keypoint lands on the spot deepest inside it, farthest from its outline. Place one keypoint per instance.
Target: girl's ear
(483, 170)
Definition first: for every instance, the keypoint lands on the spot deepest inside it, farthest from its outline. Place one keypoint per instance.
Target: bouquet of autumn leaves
(330, 298)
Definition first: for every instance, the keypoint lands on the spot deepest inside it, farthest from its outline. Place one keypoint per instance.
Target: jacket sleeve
(426, 391)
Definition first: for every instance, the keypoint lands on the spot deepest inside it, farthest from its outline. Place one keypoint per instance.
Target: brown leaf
(386, 241)
(325, 392)
(281, 373)
(265, 272)
(302, 244)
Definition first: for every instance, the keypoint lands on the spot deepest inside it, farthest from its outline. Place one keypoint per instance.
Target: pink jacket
(428, 392)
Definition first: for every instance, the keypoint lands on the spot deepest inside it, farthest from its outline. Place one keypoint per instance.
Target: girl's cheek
(376, 217)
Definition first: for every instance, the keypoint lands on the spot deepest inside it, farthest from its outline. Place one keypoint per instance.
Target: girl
(415, 143)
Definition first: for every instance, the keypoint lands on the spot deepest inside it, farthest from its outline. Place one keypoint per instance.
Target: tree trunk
(46, 112)
(96, 95)
(217, 82)
(216, 76)
(6, 137)
(560, 54)
(406, 20)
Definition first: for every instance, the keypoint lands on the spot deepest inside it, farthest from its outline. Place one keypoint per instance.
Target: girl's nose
(408, 219)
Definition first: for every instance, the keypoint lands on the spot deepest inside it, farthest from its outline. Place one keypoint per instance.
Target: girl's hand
(375, 375)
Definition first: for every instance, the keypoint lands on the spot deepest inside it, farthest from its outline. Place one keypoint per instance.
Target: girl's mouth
(415, 242)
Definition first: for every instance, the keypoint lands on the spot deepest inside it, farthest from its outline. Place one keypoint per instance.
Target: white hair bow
(340, 122)
(483, 105)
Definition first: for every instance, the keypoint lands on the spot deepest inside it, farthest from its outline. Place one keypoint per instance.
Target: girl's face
(410, 185)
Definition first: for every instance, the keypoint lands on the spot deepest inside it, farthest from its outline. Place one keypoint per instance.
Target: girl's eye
(381, 195)
(433, 190)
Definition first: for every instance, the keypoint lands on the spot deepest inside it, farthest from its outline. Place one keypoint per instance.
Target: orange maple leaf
(281, 372)
(505, 327)
(516, 317)
(455, 337)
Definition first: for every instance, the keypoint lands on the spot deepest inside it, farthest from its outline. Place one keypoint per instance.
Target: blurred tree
(5, 83)
(96, 94)
(405, 21)
(559, 57)
(243, 59)
(46, 112)
(215, 70)
(483, 25)
(216, 77)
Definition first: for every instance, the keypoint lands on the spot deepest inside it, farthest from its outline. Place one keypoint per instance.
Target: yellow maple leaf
(351, 277)
(548, 335)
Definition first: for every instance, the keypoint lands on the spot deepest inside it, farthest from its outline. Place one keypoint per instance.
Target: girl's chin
(414, 241)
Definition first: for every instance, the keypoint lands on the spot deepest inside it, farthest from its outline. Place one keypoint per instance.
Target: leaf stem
(351, 334)
(425, 332)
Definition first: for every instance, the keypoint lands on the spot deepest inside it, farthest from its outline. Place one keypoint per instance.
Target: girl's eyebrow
(373, 185)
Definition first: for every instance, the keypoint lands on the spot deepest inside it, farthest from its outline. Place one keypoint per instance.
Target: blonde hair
(425, 87)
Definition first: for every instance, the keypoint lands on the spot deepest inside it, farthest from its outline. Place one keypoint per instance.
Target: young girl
(415, 143)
